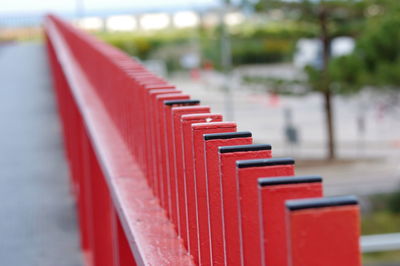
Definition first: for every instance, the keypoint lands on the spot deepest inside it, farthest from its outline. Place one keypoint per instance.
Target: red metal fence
(161, 180)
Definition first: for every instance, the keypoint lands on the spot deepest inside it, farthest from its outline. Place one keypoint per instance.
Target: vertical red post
(151, 139)
(190, 189)
(273, 192)
(200, 182)
(248, 171)
(214, 191)
(85, 192)
(147, 118)
(228, 156)
(130, 99)
(179, 176)
(136, 136)
(101, 215)
(123, 253)
(169, 155)
(160, 141)
(324, 231)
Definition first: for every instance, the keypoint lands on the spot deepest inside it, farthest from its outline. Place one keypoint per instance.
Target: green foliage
(394, 203)
(379, 50)
(260, 50)
(384, 214)
(383, 217)
(376, 59)
(343, 18)
(346, 16)
(251, 44)
(381, 258)
(345, 75)
(283, 29)
(277, 85)
(380, 222)
(142, 44)
(262, 43)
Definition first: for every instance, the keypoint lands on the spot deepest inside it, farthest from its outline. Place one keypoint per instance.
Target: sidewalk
(38, 223)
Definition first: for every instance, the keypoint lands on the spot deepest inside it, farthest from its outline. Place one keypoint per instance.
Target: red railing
(160, 180)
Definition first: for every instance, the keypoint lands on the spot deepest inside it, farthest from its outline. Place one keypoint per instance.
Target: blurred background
(319, 80)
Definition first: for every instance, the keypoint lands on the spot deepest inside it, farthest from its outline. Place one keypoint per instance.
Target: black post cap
(243, 148)
(181, 102)
(264, 162)
(286, 180)
(227, 135)
(311, 203)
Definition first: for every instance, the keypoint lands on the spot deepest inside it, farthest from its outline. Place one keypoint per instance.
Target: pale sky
(69, 6)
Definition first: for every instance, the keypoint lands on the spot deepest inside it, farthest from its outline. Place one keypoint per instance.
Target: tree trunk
(326, 90)
(329, 125)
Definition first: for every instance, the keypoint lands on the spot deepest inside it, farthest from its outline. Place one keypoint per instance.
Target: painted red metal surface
(324, 230)
(143, 221)
(142, 106)
(248, 171)
(189, 177)
(201, 189)
(169, 155)
(273, 192)
(231, 230)
(150, 186)
(102, 241)
(153, 137)
(123, 254)
(214, 191)
(177, 113)
(150, 95)
(160, 142)
(147, 117)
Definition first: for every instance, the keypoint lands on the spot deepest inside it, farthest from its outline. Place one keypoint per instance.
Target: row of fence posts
(230, 201)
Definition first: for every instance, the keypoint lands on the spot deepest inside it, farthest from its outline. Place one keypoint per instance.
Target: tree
(375, 61)
(332, 18)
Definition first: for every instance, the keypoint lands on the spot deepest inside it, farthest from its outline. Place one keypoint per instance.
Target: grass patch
(380, 222)
(383, 217)
(382, 258)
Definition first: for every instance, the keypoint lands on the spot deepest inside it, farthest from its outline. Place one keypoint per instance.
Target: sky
(16, 7)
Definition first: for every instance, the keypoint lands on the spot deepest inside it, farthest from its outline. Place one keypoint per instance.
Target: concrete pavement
(38, 222)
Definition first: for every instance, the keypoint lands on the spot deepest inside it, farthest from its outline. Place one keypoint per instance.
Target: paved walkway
(38, 223)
